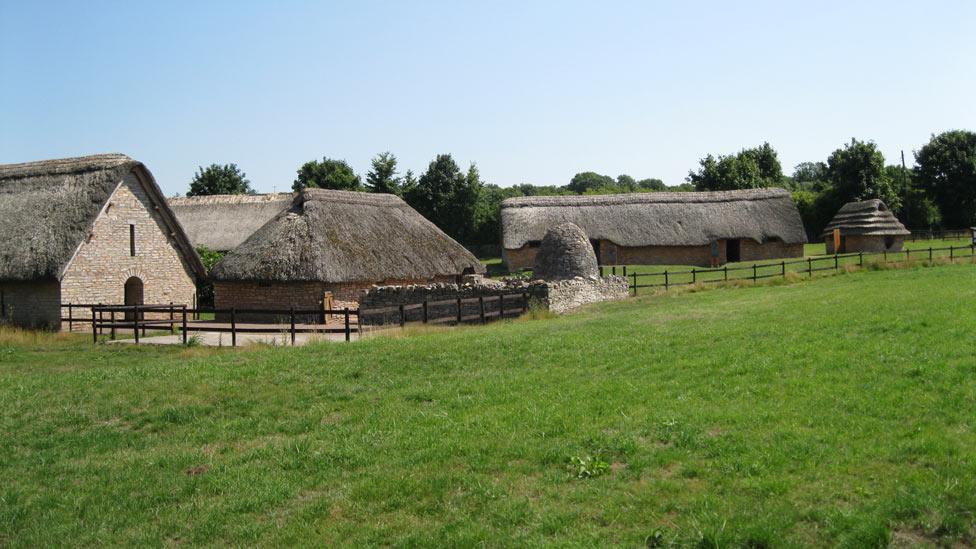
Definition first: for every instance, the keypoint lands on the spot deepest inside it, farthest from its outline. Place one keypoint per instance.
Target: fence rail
(113, 320)
(807, 266)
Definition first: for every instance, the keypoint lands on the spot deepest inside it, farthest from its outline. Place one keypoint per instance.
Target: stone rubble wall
(567, 295)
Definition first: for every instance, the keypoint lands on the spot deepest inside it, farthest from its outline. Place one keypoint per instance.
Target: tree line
(937, 191)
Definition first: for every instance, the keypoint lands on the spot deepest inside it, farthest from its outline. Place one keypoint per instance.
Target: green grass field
(837, 412)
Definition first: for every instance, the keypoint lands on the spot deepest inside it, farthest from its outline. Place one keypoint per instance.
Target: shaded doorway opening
(133, 294)
(733, 251)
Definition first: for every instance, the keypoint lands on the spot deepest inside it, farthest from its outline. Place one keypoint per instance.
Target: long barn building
(665, 228)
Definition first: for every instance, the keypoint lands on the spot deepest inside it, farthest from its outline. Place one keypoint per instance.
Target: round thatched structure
(565, 253)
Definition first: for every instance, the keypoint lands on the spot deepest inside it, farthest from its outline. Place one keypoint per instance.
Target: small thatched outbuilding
(339, 242)
(666, 228)
(94, 229)
(223, 222)
(865, 226)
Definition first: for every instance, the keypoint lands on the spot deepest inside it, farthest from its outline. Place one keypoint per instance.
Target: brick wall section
(611, 254)
(31, 304)
(861, 243)
(285, 295)
(98, 272)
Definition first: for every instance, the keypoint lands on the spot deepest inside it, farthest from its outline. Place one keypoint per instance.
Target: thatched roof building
(94, 229)
(223, 222)
(865, 226)
(657, 222)
(48, 209)
(338, 243)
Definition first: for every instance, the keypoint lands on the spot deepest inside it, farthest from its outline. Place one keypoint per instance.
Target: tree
(408, 184)
(447, 197)
(217, 179)
(382, 178)
(810, 172)
(946, 170)
(327, 174)
(857, 172)
(651, 184)
(586, 181)
(748, 169)
(626, 183)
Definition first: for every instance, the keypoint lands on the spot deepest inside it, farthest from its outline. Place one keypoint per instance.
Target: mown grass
(833, 412)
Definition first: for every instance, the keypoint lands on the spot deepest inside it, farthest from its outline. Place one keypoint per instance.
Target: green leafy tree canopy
(946, 170)
(327, 174)
(382, 176)
(219, 179)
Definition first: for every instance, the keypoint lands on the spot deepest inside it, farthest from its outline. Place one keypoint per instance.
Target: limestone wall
(866, 243)
(103, 263)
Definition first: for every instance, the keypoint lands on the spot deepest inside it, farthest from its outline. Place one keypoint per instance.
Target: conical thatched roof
(868, 217)
(565, 253)
(223, 222)
(657, 219)
(342, 236)
(48, 209)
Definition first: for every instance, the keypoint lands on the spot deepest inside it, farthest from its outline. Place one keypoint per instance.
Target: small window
(132, 240)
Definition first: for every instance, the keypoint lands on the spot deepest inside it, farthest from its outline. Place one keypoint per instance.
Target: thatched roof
(343, 236)
(657, 219)
(565, 253)
(48, 209)
(223, 222)
(868, 217)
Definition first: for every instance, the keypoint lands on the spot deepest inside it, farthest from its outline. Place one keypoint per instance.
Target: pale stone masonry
(103, 263)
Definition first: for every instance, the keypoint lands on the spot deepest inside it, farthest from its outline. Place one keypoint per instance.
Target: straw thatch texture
(565, 253)
(223, 222)
(868, 218)
(342, 236)
(48, 208)
(657, 219)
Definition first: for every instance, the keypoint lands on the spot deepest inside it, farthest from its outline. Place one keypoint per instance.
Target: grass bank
(831, 412)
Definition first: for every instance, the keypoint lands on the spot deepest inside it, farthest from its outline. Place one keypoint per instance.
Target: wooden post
(836, 236)
(952, 254)
(459, 310)
(94, 327)
(836, 264)
(601, 269)
(501, 305)
(930, 253)
(425, 311)
(101, 318)
(754, 277)
(403, 319)
(665, 282)
(172, 325)
(112, 331)
(635, 282)
(481, 308)
(782, 267)
(860, 259)
(694, 275)
(135, 322)
(291, 318)
(184, 325)
(345, 313)
(614, 270)
(810, 267)
(233, 327)
(71, 325)
(625, 271)
(725, 271)
(884, 254)
(525, 302)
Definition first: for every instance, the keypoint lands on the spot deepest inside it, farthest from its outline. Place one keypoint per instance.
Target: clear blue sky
(531, 91)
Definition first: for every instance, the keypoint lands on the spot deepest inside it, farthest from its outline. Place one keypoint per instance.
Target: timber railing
(668, 279)
(114, 320)
(120, 320)
(954, 234)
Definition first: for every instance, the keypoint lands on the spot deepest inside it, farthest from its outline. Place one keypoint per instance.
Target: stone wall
(31, 304)
(750, 250)
(566, 295)
(100, 268)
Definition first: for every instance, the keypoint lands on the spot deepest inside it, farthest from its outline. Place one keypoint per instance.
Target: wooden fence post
(860, 259)
(884, 254)
(725, 270)
(233, 327)
(345, 313)
(459, 310)
(291, 320)
(172, 325)
(425, 311)
(94, 326)
(930, 253)
(754, 273)
(694, 275)
(782, 267)
(666, 283)
(952, 254)
(135, 322)
(481, 308)
(836, 264)
(501, 305)
(71, 325)
(614, 270)
(184, 325)
(810, 267)
(403, 319)
(525, 302)
(635, 283)
(625, 271)
(101, 318)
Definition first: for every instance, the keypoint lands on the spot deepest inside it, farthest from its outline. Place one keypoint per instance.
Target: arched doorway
(133, 294)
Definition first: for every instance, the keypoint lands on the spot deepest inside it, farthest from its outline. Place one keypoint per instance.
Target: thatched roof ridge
(867, 217)
(222, 222)
(657, 219)
(48, 209)
(344, 236)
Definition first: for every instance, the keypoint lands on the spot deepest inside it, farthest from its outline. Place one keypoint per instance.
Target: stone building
(94, 229)
(664, 228)
(223, 222)
(866, 226)
(337, 244)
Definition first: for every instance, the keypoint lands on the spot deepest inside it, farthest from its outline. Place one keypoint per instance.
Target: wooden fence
(116, 320)
(672, 278)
